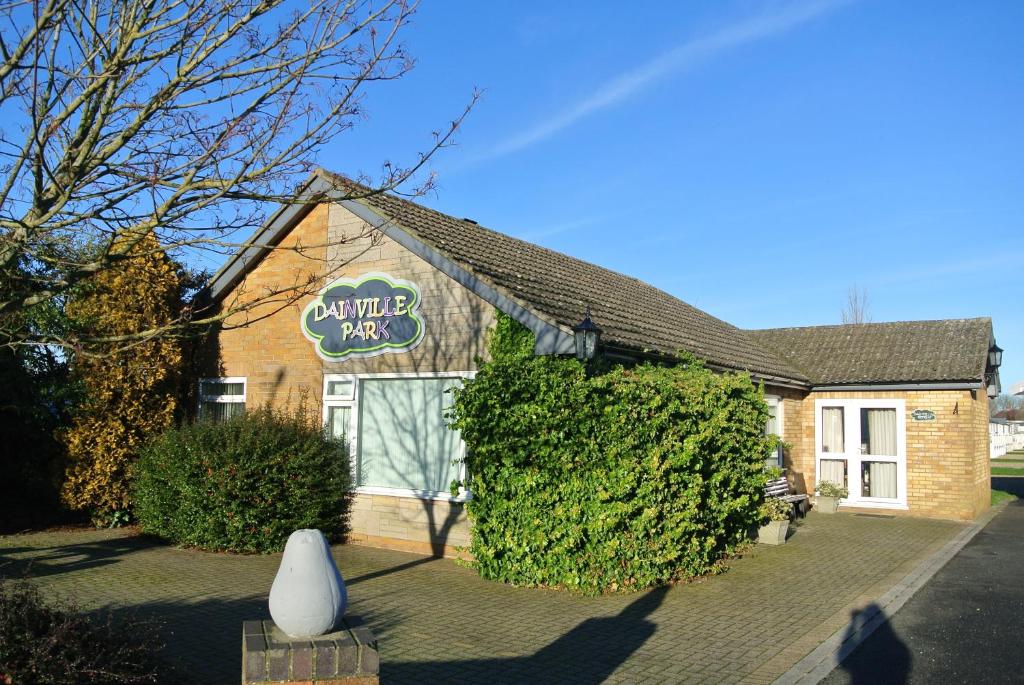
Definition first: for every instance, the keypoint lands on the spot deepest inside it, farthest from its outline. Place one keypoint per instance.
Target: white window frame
(776, 401)
(328, 401)
(851, 450)
(353, 432)
(221, 399)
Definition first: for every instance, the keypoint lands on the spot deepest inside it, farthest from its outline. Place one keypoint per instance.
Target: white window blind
(404, 441)
(832, 439)
(221, 398)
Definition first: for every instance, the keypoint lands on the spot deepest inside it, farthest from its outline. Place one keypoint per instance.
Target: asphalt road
(966, 625)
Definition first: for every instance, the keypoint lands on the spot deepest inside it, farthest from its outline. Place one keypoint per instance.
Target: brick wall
(982, 456)
(455, 319)
(281, 366)
(266, 344)
(947, 459)
(791, 401)
(435, 527)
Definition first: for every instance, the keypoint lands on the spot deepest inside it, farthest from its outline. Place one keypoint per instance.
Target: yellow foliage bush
(131, 394)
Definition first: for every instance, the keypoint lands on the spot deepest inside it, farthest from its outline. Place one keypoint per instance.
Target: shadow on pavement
(203, 638)
(588, 653)
(889, 660)
(49, 561)
(203, 641)
(1011, 484)
(388, 570)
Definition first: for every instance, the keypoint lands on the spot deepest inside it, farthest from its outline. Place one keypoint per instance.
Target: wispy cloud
(686, 55)
(991, 264)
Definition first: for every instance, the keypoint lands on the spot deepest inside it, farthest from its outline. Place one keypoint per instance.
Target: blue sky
(755, 159)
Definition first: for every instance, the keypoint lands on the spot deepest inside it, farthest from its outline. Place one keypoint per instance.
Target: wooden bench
(778, 488)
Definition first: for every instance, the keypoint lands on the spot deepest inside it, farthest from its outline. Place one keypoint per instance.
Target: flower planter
(827, 505)
(773, 533)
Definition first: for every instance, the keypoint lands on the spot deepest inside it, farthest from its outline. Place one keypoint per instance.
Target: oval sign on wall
(373, 314)
(922, 415)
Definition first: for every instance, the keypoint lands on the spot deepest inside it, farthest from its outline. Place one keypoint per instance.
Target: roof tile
(632, 314)
(895, 352)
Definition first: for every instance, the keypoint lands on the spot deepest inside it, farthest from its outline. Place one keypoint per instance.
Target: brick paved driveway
(438, 622)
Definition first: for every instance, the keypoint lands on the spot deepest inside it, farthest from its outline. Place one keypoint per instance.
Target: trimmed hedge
(625, 480)
(243, 485)
(52, 642)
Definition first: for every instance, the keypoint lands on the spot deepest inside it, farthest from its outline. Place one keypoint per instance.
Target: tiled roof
(897, 352)
(632, 314)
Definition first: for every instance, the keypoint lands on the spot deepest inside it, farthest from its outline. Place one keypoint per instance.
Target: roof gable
(550, 292)
(633, 315)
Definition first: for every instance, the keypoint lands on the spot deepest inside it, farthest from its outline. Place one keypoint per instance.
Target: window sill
(867, 504)
(464, 496)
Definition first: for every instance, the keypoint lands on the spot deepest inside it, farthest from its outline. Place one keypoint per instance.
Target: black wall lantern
(992, 385)
(995, 356)
(587, 335)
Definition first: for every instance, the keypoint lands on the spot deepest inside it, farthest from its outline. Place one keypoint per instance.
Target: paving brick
(437, 621)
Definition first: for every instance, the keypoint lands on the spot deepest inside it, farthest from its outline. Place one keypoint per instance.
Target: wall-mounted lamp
(995, 356)
(587, 336)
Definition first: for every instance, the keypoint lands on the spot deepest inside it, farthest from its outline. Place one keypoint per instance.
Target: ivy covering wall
(624, 479)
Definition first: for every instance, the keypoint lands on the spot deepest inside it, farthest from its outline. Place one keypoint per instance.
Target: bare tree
(1004, 402)
(183, 119)
(856, 309)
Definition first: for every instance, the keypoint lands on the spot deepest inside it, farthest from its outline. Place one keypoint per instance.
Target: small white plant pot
(308, 597)
(773, 533)
(827, 505)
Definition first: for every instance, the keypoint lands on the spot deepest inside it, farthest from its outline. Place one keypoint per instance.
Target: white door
(861, 444)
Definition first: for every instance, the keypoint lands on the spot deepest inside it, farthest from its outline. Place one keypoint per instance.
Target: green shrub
(52, 642)
(244, 484)
(776, 509)
(628, 479)
(827, 488)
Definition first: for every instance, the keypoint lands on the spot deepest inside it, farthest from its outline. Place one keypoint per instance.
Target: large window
(861, 444)
(397, 432)
(221, 398)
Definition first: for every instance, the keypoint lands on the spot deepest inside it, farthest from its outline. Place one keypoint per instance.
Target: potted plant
(829, 494)
(775, 513)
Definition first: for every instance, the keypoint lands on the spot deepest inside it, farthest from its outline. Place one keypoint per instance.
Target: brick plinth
(345, 657)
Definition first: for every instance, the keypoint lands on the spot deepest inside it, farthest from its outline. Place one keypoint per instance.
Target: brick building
(400, 300)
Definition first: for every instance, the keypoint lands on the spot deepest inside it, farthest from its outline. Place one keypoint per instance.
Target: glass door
(861, 445)
(878, 478)
(833, 465)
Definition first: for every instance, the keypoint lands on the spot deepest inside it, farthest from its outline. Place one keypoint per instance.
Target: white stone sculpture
(308, 597)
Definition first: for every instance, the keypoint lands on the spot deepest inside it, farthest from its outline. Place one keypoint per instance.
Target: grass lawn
(1007, 471)
(999, 496)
